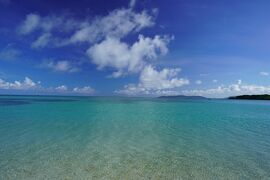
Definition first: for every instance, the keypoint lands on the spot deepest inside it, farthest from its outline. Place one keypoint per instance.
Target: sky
(135, 48)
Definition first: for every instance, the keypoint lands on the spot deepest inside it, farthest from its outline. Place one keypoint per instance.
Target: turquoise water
(133, 138)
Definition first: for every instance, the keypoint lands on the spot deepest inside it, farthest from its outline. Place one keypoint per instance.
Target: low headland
(252, 97)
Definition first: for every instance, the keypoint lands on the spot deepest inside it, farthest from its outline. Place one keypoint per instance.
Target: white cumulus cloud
(153, 82)
(61, 88)
(105, 36)
(26, 84)
(230, 90)
(164, 79)
(83, 90)
(119, 55)
(29, 84)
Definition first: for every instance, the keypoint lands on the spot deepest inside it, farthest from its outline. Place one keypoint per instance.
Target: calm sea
(133, 138)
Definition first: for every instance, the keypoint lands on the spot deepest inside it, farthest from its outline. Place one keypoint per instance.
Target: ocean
(47, 137)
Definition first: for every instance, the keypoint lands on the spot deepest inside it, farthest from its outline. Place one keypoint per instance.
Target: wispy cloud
(83, 90)
(31, 23)
(60, 66)
(118, 23)
(47, 28)
(198, 82)
(263, 73)
(9, 53)
(42, 41)
(132, 3)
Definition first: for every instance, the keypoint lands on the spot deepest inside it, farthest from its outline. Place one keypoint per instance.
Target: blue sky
(134, 48)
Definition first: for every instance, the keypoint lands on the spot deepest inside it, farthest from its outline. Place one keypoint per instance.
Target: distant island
(252, 97)
(182, 97)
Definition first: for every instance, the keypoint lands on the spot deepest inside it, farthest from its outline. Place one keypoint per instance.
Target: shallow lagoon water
(133, 138)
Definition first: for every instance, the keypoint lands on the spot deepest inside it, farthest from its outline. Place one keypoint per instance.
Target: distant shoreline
(251, 97)
(182, 97)
(176, 97)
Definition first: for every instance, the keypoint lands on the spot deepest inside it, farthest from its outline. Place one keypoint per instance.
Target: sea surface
(133, 138)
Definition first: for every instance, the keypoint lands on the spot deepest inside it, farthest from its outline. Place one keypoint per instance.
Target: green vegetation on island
(252, 97)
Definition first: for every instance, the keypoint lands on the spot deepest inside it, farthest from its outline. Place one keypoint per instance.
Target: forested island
(252, 97)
